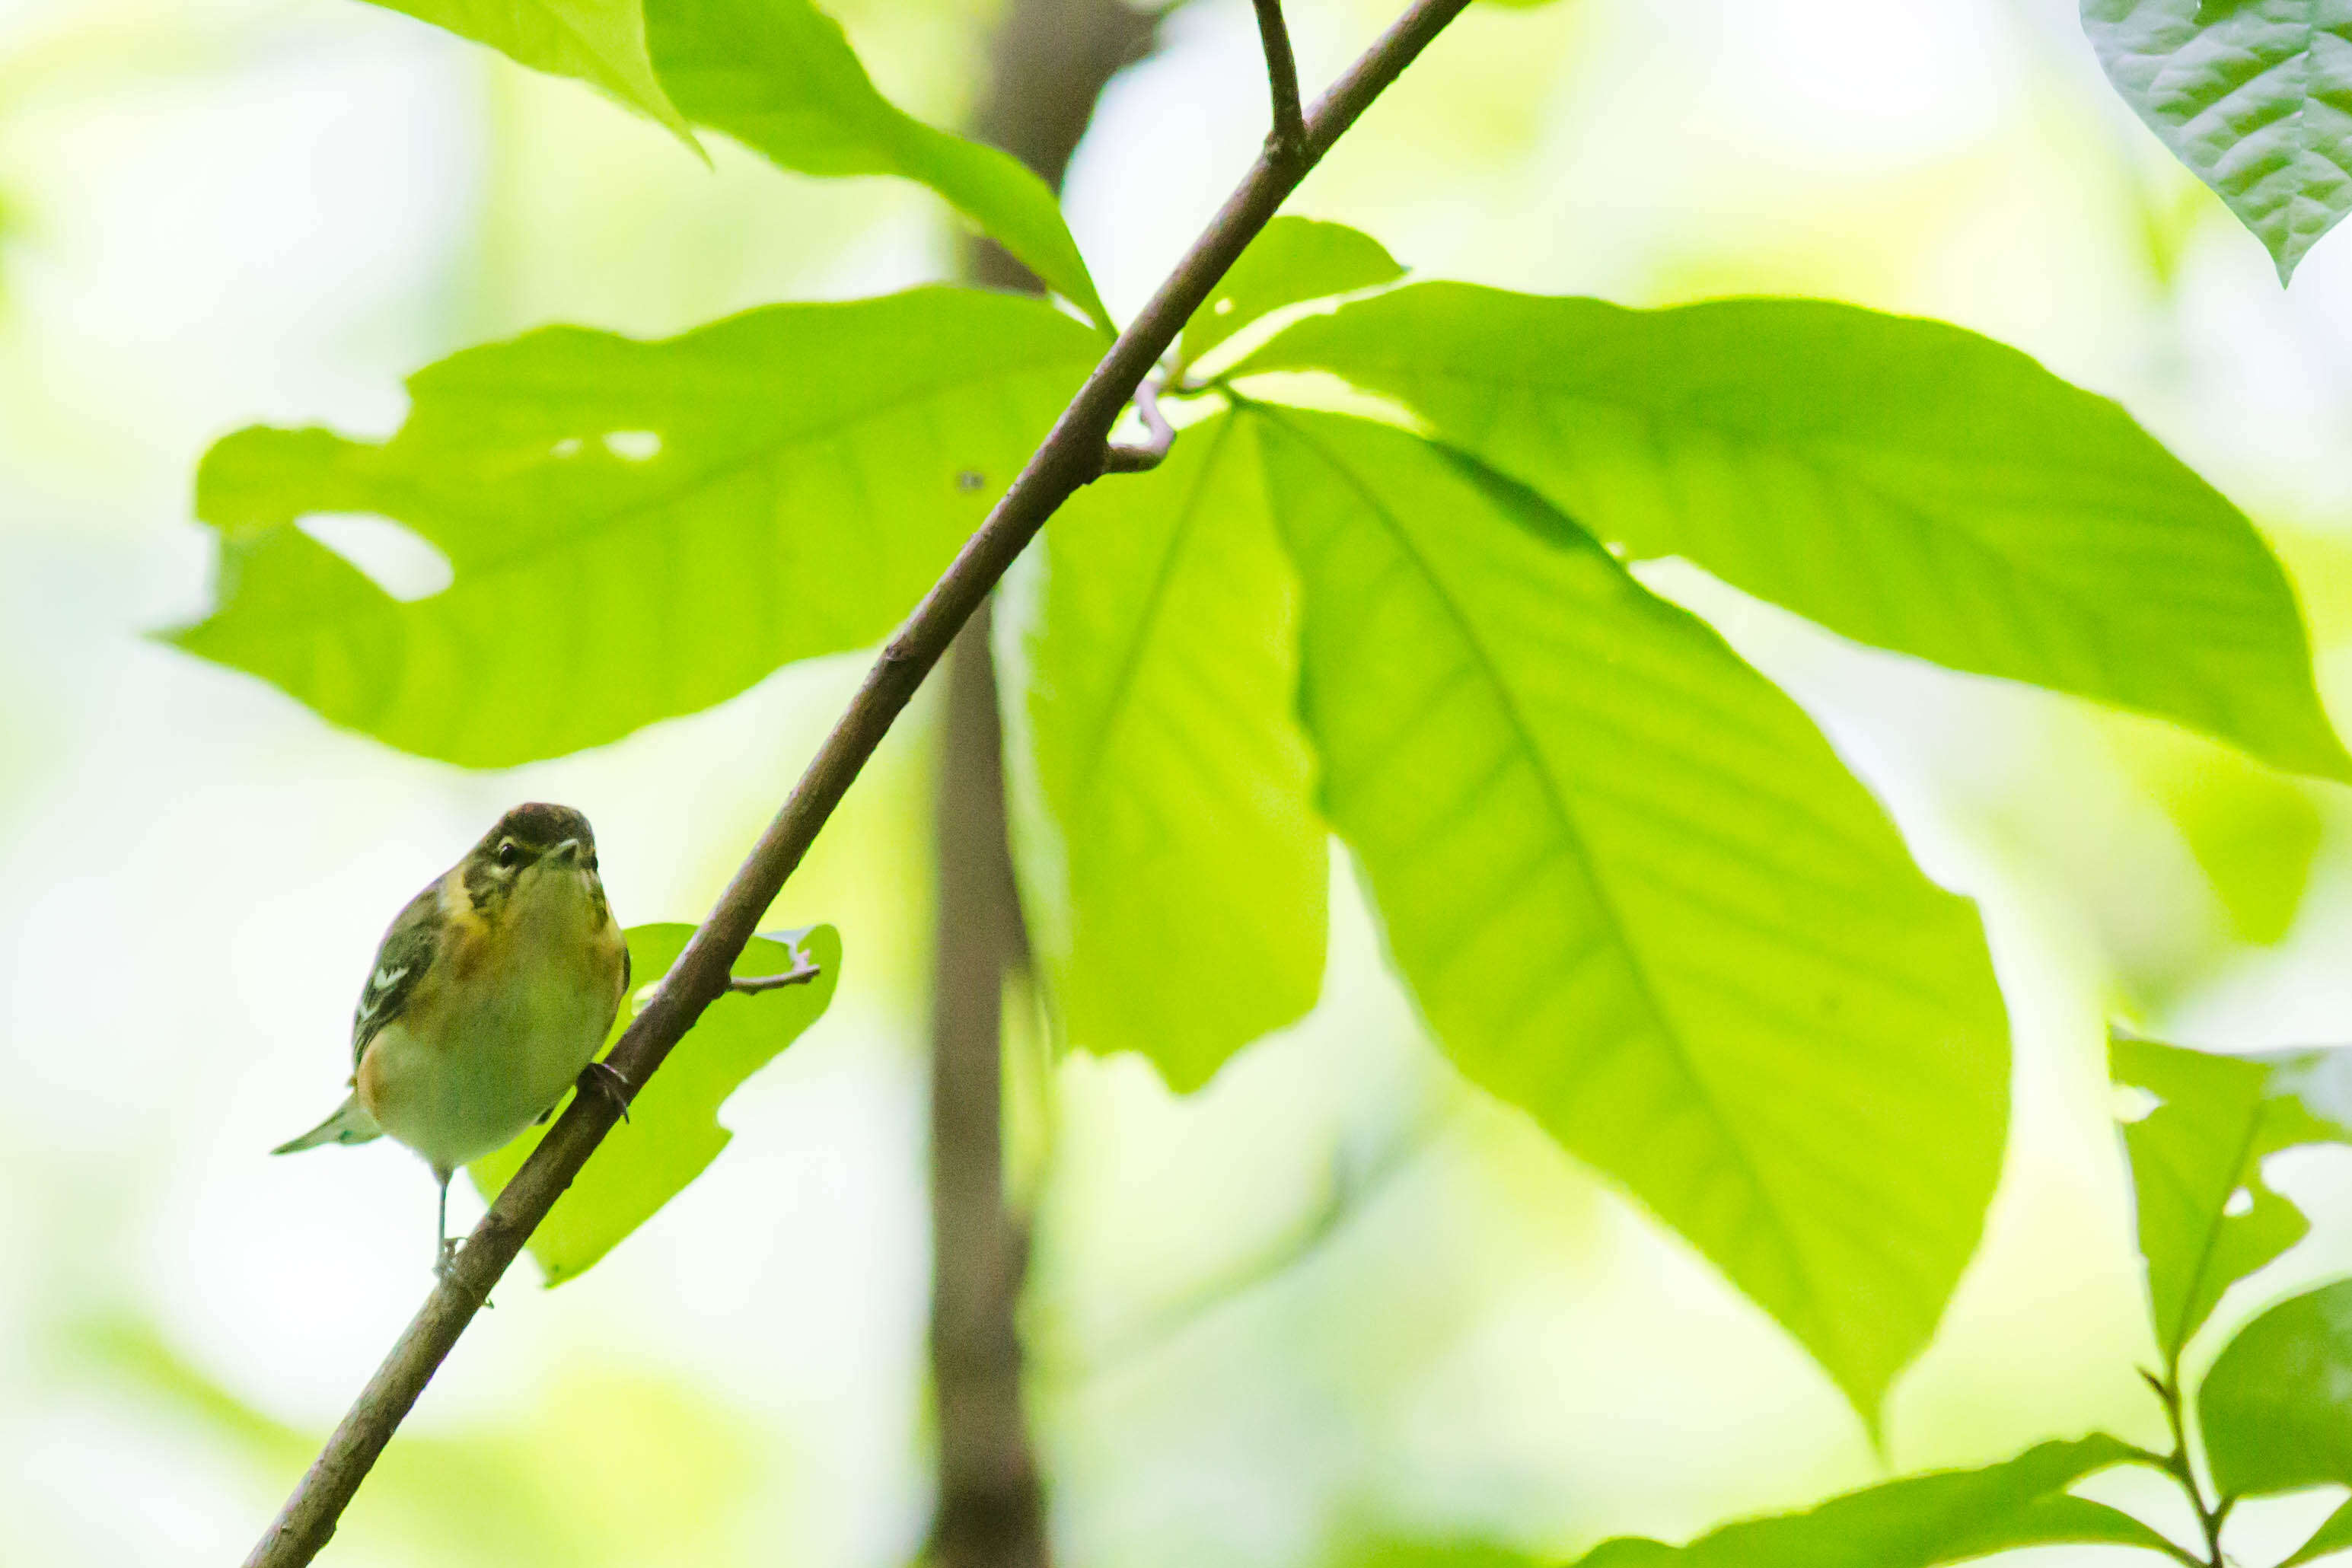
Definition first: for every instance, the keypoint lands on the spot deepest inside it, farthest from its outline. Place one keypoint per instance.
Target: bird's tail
(351, 1124)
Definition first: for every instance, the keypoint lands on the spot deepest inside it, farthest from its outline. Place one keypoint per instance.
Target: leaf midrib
(1574, 837)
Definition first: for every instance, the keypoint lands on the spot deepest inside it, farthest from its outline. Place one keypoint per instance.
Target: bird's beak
(567, 851)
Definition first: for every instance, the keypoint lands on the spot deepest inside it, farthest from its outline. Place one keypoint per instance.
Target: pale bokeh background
(1334, 1296)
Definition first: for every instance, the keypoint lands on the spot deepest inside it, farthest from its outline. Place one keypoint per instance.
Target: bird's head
(535, 848)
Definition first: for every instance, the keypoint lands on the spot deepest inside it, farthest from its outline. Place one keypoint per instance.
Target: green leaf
(1947, 1516)
(2276, 1409)
(780, 77)
(2255, 96)
(1169, 848)
(2207, 1219)
(1901, 482)
(673, 1131)
(1293, 259)
(1637, 895)
(636, 530)
(601, 42)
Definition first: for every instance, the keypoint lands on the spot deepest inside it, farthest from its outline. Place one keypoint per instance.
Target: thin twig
(1138, 456)
(752, 984)
(2210, 1520)
(1286, 143)
(1070, 456)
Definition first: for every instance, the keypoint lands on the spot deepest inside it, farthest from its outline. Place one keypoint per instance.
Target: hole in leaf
(1223, 306)
(393, 556)
(2128, 1103)
(567, 447)
(633, 446)
(2241, 1202)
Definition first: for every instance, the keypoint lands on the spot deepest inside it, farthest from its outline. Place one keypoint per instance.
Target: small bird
(491, 995)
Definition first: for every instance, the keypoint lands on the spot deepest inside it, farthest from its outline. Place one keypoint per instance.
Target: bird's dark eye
(508, 854)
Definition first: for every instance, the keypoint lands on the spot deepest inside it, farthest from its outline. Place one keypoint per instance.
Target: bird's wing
(409, 949)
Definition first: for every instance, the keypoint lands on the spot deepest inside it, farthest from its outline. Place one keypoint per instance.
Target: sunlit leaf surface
(2255, 96)
(601, 42)
(1902, 481)
(1919, 1521)
(2277, 1406)
(780, 77)
(673, 1131)
(1636, 894)
(1167, 839)
(636, 530)
(1295, 259)
(2207, 1218)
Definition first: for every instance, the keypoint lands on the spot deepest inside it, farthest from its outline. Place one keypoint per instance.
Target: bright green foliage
(2255, 835)
(1637, 895)
(602, 42)
(673, 1131)
(780, 77)
(1921, 1521)
(2206, 1217)
(2255, 96)
(1171, 854)
(637, 530)
(1295, 259)
(2277, 1406)
(1902, 481)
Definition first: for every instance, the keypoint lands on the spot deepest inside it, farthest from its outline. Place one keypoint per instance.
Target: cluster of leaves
(2275, 1410)
(1631, 887)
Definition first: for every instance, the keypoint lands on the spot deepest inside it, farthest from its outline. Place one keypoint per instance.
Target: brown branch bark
(1070, 456)
(1287, 139)
(1051, 62)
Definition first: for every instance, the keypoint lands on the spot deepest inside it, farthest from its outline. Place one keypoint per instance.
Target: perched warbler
(490, 998)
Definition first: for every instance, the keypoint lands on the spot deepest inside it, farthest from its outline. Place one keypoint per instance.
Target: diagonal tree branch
(1072, 455)
(1286, 143)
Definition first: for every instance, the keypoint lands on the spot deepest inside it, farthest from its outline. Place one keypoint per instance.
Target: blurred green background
(1335, 1297)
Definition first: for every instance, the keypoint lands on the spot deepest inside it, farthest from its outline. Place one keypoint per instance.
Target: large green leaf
(1169, 846)
(1920, 1521)
(1636, 894)
(2255, 96)
(780, 77)
(1292, 260)
(602, 42)
(673, 1131)
(1901, 482)
(636, 530)
(2276, 1409)
(2207, 1219)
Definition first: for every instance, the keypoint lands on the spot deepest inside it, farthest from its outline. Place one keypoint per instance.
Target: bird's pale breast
(500, 1028)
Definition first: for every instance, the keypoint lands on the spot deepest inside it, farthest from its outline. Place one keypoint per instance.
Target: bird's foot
(604, 1079)
(444, 1269)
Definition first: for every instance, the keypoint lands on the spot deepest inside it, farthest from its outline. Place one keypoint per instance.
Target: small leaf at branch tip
(673, 1132)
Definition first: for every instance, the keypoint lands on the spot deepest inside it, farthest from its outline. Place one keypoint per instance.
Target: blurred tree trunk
(1051, 58)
